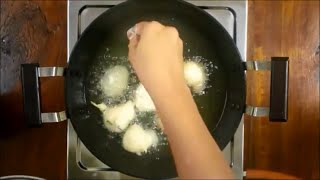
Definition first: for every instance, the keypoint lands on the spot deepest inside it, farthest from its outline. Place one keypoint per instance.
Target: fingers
(133, 43)
(153, 27)
(136, 29)
(135, 33)
(131, 32)
(140, 27)
(144, 28)
(172, 32)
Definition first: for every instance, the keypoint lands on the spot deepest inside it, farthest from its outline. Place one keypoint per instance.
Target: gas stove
(232, 15)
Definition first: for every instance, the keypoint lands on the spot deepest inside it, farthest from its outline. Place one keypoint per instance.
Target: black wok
(222, 106)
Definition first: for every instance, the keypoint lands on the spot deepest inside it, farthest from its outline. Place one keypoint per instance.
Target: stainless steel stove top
(231, 14)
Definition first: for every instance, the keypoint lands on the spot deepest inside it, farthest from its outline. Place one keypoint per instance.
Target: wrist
(168, 90)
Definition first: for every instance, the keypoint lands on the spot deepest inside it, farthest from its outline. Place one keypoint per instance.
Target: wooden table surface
(36, 31)
(285, 28)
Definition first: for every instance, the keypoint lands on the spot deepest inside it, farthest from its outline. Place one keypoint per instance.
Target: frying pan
(221, 107)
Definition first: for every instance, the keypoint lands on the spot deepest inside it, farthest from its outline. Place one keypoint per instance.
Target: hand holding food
(159, 65)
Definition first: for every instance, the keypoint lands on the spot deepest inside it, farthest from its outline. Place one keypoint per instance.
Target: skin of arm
(156, 54)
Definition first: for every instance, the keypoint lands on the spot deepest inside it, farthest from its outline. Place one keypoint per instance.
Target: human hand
(156, 54)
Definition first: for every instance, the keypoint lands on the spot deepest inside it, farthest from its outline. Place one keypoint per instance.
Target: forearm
(195, 152)
(157, 57)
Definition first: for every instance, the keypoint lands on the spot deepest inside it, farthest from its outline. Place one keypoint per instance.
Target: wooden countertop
(36, 31)
(285, 28)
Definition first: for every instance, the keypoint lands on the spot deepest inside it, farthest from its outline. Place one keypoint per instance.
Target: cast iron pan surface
(221, 107)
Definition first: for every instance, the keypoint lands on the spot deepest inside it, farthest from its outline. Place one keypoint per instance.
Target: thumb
(133, 35)
(133, 43)
(132, 32)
